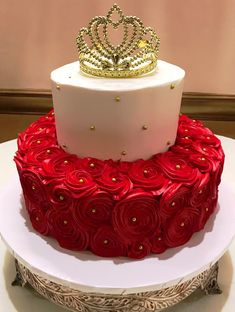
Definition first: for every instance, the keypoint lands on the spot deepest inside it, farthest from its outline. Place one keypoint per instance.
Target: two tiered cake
(114, 169)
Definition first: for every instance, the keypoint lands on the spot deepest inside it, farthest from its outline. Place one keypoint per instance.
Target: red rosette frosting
(176, 168)
(115, 183)
(148, 176)
(36, 156)
(41, 127)
(185, 120)
(139, 250)
(60, 196)
(205, 211)
(135, 217)
(64, 228)
(215, 179)
(59, 165)
(158, 244)
(183, 150)
(93, 166)
(208, 151)
(106, 243)
(201, 190)
(38, 218)
(80, 183)
(47, 118)
(210, 139)
(173, 199)
(32, 185)
(179, 229)
(94, 211)
(203, 163)
(192, 131)
(34, 142)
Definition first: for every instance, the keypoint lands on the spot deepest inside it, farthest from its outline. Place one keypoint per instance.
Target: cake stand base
(76, 300)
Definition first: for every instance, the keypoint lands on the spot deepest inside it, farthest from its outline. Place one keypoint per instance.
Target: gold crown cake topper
(136, 54)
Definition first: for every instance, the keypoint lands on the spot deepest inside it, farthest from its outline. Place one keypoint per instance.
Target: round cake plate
(85, 282)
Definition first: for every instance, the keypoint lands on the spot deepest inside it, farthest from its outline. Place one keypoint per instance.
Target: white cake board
(89, 273)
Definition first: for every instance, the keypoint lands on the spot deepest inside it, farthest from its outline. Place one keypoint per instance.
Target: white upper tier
(117, 118)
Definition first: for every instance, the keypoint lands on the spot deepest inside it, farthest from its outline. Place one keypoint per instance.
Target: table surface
(19, 299)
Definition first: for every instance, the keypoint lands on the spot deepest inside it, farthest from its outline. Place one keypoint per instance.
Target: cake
(113, 168)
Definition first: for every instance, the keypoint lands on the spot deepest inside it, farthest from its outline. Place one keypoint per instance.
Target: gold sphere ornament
(58, 87)
(136, 54)
(145, 127)
(117, 98)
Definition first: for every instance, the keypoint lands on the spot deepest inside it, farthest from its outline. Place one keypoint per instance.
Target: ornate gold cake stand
(76, 300)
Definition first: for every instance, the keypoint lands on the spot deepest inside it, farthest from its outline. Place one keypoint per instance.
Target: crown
(135, 55)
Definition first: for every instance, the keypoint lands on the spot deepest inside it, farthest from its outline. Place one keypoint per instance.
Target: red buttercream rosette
(205, 211)
(37, 217)
(158, 244)
(174, 199)
(33, 185)
(115, 182)
(135, 217)
(209, 139)
(179, 229)
(208, 151)
(192, 131)
(93, 166)
(176, 168)
(94, 211)
(80, 183)
(185, 120)
(106, 243)
(203, 163)
(60, 195)
(201, 190)
(64, 228)
(41, 127)
(183, 150)
(36, 156)
(147, 175)
(139, 249)
(59, 166)
(34, 142)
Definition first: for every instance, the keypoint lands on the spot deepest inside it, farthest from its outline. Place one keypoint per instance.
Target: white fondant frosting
(103, 117)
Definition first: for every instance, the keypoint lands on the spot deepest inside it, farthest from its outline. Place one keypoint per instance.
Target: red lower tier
(118, 208)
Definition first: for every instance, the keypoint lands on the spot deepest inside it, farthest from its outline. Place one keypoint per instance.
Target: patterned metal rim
(76, 300)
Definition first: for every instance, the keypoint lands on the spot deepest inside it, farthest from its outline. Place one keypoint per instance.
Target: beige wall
(37, 36)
